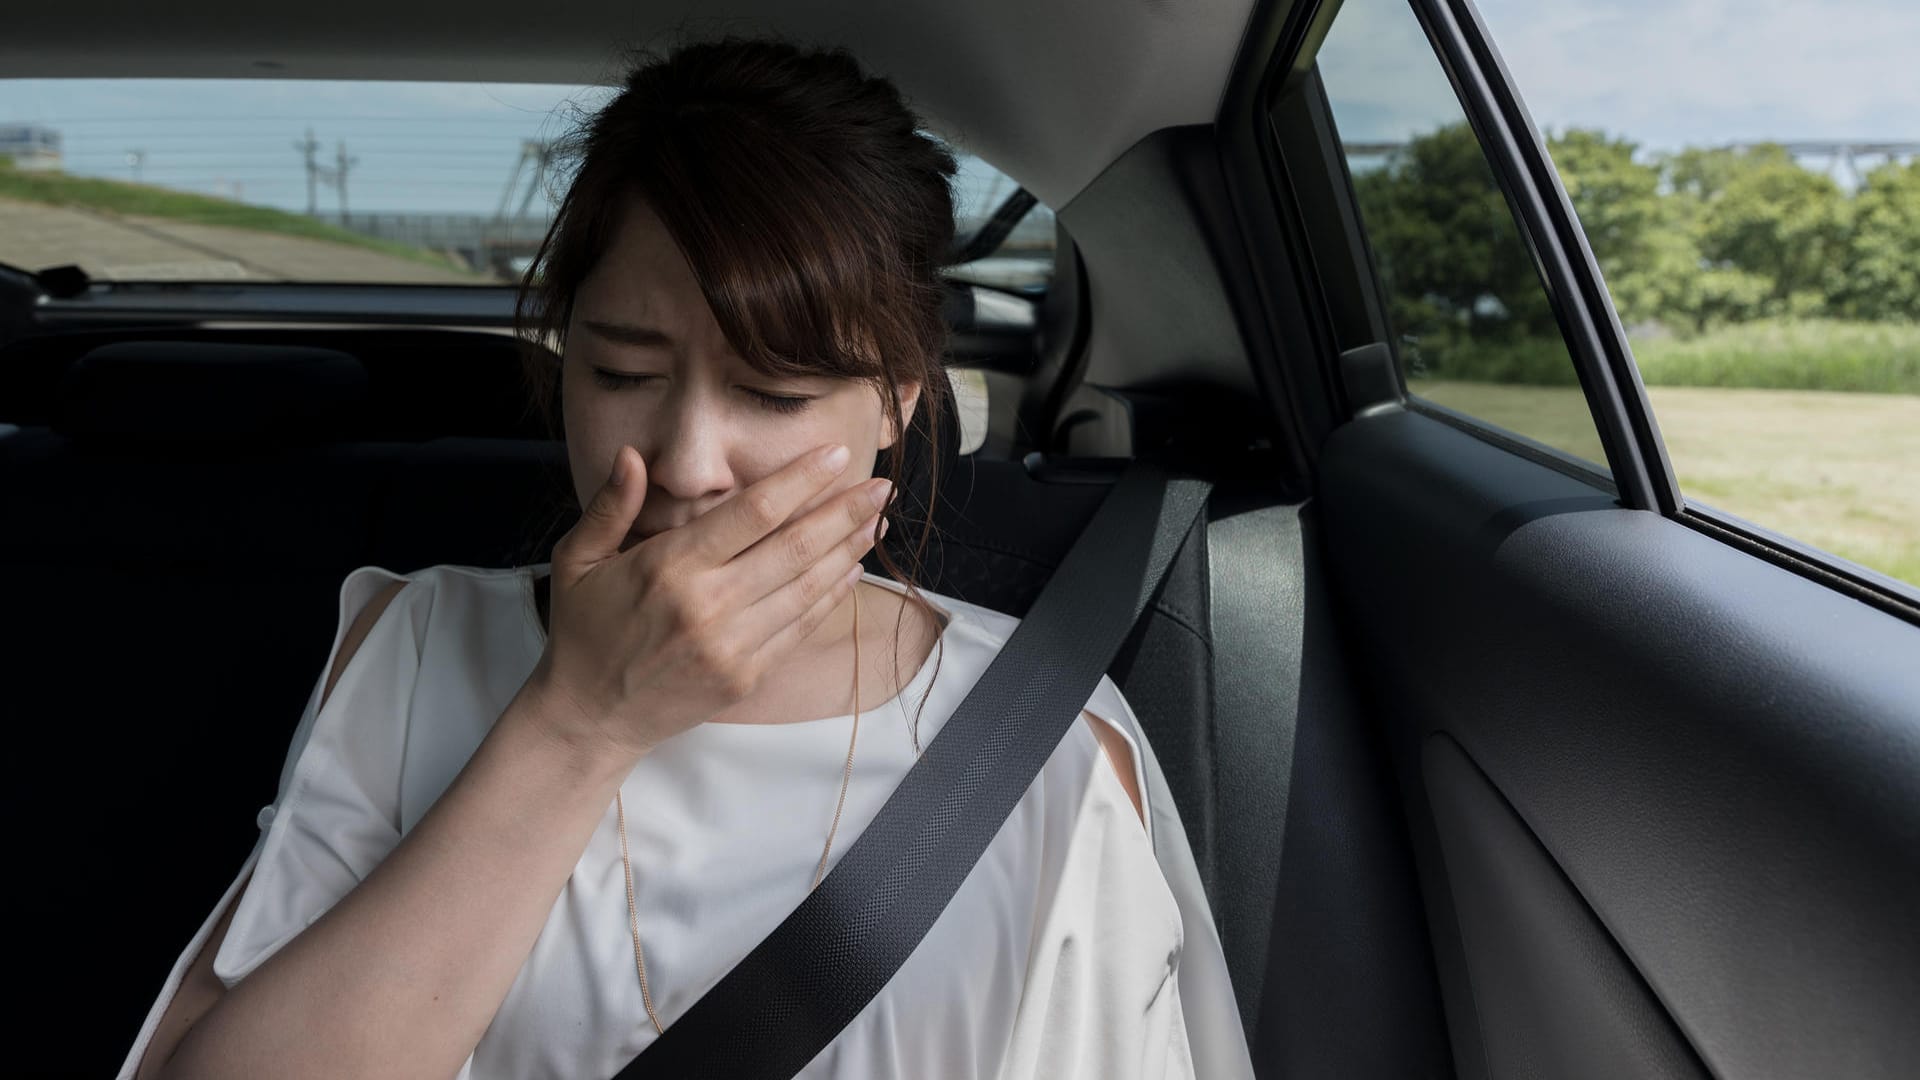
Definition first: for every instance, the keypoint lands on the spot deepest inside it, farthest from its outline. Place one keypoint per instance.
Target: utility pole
(334, 176)
(343, 163)
(136, 158)
(307, 146)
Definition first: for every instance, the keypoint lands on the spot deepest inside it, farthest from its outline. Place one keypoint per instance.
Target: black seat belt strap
(795, 992)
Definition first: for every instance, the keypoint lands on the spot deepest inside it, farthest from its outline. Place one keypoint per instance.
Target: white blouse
(1079, 946)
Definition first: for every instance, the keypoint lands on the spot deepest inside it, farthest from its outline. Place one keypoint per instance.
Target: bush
(1882, 275)
(1531, 361)
(1790, 354)
(1772, 354)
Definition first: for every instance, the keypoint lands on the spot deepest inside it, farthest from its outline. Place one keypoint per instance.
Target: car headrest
(920, 455)
(199, 393)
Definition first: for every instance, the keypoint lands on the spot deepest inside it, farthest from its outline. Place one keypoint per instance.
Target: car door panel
(1563, 999)
(1716, 758)
(1663, 790)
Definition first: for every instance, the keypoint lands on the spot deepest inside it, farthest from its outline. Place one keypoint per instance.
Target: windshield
(365, 182)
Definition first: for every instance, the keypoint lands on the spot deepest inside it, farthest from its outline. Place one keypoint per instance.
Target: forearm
(402, 976)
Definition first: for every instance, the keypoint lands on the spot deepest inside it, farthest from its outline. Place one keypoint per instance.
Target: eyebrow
(630, 334)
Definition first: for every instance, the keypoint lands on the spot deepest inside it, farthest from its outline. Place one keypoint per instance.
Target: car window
(336, 181)
(1749, 180)
(1472, 325)
(1022, 262)
(970, 397)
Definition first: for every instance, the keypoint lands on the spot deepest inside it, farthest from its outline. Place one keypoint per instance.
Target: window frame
(1284, 121)
(1636, 467)
(1303, 115)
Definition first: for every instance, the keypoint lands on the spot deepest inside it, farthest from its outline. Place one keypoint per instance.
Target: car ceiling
(1049, 93)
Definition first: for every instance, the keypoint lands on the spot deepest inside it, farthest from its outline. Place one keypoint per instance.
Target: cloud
(1382, 77)
(1664, 73)
(1691, 72)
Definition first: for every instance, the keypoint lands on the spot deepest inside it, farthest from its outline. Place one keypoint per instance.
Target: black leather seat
(178, 523)
(1240, 682)
(172, 598)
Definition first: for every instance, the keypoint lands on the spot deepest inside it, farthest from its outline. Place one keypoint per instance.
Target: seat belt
(808, 979)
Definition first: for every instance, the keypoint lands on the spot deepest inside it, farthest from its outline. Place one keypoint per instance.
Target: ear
(909, 398)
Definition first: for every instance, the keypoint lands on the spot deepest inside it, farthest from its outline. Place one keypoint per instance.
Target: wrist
(569, 728)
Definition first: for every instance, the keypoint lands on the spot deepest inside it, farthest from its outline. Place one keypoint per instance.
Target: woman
(517, 836)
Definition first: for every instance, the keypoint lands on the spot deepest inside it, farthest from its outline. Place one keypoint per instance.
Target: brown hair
(814, 214)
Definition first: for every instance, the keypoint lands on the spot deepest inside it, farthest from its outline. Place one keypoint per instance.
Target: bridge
(1842, 156)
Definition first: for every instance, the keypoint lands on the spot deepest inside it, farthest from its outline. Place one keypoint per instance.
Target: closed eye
(780, 403)
(614, 380)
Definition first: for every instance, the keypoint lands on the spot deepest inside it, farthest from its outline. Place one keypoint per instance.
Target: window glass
(1023, 261)
(1472, 324)
(970, 401)
(291, 180)
(1749, 178)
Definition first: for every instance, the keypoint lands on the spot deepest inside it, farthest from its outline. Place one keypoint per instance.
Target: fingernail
(615, 478)
(879, 493)
(883, 526)
(838, 457)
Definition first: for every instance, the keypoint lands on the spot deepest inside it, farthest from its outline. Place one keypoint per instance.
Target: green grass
(1789, 354)
(1522, 361)
(1829, 469)
(1773, 354)
(120, 197)
(1554, 415)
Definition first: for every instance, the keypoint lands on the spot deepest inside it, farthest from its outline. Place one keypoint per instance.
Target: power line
(505, 138)
(187, 176)
(271, 118)
(428, 156)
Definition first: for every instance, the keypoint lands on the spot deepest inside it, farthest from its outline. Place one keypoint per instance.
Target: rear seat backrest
(177, 532)
(172, 600)
(999, 533)
(1238, 677)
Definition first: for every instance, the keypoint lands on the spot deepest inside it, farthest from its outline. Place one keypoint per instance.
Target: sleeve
(1098, 997)
(336, 813)
(1208, 1013)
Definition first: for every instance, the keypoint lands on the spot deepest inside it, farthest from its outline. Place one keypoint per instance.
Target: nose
(689, 453)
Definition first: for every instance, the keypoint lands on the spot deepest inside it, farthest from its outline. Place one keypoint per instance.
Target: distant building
(29, 146)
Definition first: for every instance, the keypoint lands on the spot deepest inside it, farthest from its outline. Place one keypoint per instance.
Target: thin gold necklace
(820, 871)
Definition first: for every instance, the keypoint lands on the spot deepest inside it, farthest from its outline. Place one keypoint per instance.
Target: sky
(1671, 73)
(414, 147)
(1664, 73)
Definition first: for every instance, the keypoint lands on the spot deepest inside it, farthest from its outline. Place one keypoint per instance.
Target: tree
(1646, 259)
(1689, 241)
(1446, 243)
(1881, 279)
(1773, 218)
(1773, 235)
(1616, 197)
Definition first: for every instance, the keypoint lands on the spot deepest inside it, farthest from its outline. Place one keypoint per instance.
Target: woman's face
(647, 366)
